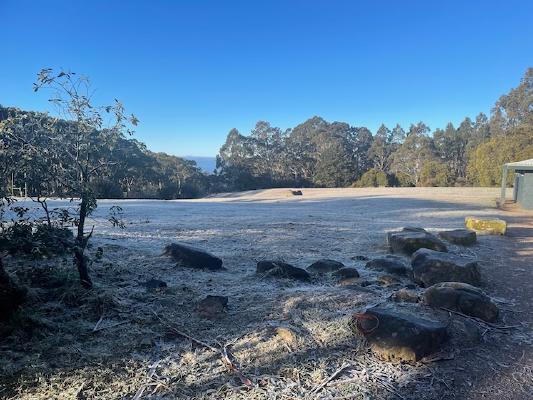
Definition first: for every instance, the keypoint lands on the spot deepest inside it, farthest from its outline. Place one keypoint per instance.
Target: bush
(435, 173)
(462, 182)
(53, 240)
(373, 178)
(401, 179)
(486, 161)
(17, 238)
(36, 239)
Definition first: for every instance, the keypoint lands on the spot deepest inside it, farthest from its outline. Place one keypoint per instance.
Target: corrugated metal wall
(524, 190)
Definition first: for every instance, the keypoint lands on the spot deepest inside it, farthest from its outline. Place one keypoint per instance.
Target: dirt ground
(120, 340)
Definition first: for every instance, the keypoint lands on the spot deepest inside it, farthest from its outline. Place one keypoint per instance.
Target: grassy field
(120, 340)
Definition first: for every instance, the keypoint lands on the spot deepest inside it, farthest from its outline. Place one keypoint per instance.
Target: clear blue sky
(192, 70)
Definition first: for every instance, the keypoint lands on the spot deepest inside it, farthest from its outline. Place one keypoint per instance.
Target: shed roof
(523, 165)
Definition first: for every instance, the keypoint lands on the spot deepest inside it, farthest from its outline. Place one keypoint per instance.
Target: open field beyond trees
(120, 339)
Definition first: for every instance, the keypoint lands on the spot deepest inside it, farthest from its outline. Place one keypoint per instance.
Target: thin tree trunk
(80, 259)
(44, 206)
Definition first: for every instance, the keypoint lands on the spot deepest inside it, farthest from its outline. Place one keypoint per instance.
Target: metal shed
(523, 182)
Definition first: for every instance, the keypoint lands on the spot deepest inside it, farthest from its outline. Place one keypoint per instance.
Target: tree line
(130, 170)
(89, 154)
(318, 153)
(315, 153)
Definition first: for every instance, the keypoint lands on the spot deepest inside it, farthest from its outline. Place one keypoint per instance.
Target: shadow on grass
(66, 358)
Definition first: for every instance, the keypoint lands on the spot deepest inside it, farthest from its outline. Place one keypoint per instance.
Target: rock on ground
(464, 332)
(405, 296)
(212, 306)
(281, 269)
(486, 226)
(192, 257)
(325, 266)
(399, 336)
(286, 334)
(410, 240)
(461, 297)
(465, 237)
(348, 282)
(389, 264)
(430, 267)
(346, 273)
(388, 280)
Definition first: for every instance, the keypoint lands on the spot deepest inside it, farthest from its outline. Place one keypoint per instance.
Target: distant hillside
(206, 164)
(133, 172)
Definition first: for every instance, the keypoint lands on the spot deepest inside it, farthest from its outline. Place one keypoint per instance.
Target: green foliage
(373, 178)
(402, 180)
(125, 168)
(435, 173)
(516, 108)
(485, 165)
(451, 145)
(333, 169)
(37, 150)
(314, 153)
(66, 156)
(510, 135)
(383, 146)
(35, 239)
(413, 153)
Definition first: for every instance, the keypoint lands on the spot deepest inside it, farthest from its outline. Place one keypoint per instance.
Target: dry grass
(54, 350)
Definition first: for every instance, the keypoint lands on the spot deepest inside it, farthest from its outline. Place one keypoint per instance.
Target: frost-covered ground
(241, 228)
(334, 216)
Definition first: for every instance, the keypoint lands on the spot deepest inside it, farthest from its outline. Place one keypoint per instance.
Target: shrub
(486, 161)
(435, 173)
(373, 178)
(36, 239)
(401, 179)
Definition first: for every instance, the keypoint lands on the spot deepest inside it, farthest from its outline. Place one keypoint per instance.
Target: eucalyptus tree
(516, 107)
(361, 144)
(381, 148)
(451, 145)
(78, 147)
(267, 142)
(235, 162)
(415, 151)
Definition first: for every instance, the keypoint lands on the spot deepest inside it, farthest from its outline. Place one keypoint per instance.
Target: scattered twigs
(331, 377)
(186, 336)
(78, 390)
(151, 373)
(223, 351)
(480, 321)
(356, 379)
(97, 326)
(389, 387)
(376, 377)
(230, 365)
(437, 357)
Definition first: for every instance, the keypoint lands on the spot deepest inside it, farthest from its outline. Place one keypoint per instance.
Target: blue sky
(192, 70)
